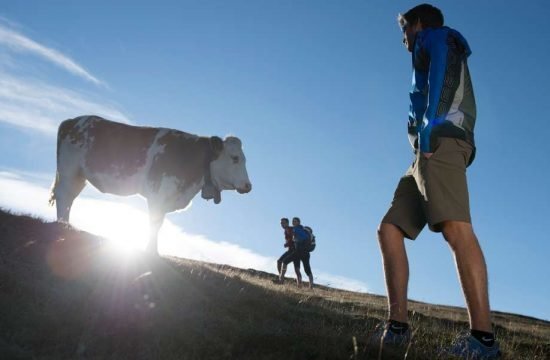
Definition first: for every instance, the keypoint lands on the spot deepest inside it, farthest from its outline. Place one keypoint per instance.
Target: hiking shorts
(287, 254)
(433, 190)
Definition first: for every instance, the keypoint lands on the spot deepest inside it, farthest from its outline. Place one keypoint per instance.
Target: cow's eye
(235, 159)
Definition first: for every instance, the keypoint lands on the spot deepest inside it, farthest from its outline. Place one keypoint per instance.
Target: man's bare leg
(282, 273)
(472, 272)
(298, 275)
(310, 276)
(396, 270)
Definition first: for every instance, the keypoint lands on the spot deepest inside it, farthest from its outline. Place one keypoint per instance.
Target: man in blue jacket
(433, 191)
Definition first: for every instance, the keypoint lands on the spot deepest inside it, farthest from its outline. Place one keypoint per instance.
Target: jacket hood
(454, 33)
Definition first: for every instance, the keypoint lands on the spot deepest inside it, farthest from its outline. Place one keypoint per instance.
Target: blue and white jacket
(442, 96)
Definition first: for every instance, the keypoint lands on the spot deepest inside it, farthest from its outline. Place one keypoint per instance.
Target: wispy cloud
(122, 222)
(36, 105)
(20, 43)
(41, 105)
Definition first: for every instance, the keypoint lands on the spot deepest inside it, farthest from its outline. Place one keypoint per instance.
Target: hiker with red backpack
(289, 245)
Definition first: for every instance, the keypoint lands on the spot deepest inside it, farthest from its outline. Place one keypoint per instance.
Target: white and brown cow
(168, 167)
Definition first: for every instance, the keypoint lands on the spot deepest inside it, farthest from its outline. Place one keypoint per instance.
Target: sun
(125, 227)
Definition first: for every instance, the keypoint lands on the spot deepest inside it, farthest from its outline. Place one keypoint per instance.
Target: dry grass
(63, 295)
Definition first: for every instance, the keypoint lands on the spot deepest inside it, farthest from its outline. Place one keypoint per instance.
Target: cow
(167, 167)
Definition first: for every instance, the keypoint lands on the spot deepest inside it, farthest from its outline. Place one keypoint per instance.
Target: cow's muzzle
(247, 187)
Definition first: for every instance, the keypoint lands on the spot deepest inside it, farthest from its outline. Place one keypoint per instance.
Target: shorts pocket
(438, 147)
(465, 149)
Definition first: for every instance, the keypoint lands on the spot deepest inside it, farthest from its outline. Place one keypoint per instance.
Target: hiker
(289, 244)
(301, 250)
(433, 189)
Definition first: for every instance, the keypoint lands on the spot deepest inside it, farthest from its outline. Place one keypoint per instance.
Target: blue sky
(318, 93)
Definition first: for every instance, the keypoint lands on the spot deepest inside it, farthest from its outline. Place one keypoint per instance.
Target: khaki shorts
(433, 190)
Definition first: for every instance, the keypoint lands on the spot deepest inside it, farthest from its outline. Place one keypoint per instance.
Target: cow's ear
(216, 144)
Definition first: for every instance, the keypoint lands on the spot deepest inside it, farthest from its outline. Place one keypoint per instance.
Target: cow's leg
(66, 191)
(156, 218)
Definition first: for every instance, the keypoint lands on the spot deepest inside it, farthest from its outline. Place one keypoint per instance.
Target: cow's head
(228, 169)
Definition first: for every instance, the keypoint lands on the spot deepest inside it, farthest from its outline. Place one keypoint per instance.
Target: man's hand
(427, 155)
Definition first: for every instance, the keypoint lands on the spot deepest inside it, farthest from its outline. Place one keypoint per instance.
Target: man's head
(284, 222)
(295, 221)
(416, 19)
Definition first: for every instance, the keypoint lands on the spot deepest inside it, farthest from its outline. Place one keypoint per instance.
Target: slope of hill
(64, 295)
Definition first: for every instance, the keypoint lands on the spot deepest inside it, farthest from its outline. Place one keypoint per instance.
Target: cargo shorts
(433, 190)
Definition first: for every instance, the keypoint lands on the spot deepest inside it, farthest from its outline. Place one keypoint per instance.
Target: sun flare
(126, 227)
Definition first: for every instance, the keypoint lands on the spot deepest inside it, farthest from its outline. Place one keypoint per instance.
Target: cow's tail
(51, 201)
(53, 189)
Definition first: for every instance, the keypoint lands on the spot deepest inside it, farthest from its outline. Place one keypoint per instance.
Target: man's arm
(436, 47)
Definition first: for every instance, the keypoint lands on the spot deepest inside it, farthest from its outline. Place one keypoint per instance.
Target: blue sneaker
(384, 336)
(468, 347)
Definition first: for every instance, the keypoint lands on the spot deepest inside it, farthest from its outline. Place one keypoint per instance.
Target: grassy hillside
(65, 295)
